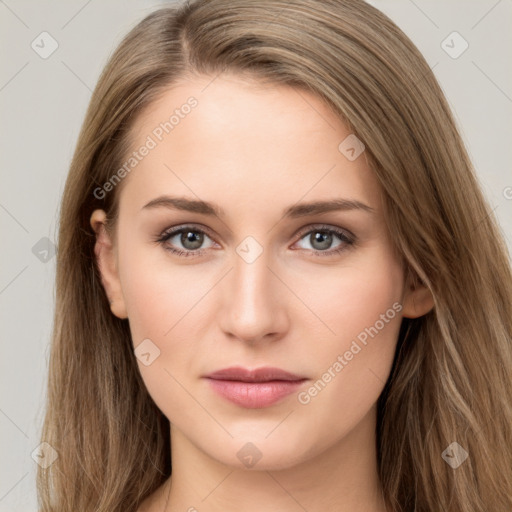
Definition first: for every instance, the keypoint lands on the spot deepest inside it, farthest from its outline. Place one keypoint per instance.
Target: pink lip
(254, 389)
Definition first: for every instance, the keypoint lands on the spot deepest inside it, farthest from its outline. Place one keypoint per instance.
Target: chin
(262, 452)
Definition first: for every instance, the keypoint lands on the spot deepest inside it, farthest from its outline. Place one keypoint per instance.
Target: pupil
(190, 237)
(324, 239)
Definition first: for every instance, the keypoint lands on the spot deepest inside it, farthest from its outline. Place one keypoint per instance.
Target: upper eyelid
(323, 227)
(177, 229)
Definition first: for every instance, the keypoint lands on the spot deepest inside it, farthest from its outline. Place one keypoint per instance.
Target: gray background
(42, 104)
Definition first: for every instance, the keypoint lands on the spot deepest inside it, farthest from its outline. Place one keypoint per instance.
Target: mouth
(254, 389)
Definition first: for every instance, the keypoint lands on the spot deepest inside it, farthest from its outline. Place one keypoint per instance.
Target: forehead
(242, 141)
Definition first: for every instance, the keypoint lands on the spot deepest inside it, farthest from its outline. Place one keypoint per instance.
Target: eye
(189, 237)
(321, 239)
(191, 240)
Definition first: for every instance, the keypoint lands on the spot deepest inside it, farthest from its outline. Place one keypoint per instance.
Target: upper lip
(264, 374)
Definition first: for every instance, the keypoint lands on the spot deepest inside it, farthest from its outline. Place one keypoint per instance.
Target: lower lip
(255, 395)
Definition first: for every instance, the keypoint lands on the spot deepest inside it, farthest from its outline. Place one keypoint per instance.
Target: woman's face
(265, 281)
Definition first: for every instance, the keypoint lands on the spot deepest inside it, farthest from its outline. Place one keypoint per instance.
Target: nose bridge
(252, 306)
(252, 277)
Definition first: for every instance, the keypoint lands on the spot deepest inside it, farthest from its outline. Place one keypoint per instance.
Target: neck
(343, 478)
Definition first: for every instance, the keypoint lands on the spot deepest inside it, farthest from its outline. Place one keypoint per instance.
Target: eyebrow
(296, 210)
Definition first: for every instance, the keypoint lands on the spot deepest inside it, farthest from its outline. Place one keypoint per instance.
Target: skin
(254, 150)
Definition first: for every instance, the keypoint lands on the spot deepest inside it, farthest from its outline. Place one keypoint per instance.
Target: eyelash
(347, 238)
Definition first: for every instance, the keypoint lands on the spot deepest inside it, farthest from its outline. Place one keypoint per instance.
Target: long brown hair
(452, 374)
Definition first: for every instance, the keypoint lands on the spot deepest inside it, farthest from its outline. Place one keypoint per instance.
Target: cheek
(157, 311)
(163, 301)
(158, 293)
(362, 307)
(350, 298)
(368, 305)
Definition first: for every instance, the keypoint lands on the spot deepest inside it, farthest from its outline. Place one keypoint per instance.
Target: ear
(418, 299)
(107, 264)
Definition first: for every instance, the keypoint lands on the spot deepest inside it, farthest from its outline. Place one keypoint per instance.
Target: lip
(254, 389)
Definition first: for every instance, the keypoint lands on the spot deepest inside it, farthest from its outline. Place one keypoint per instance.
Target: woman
(279, 286)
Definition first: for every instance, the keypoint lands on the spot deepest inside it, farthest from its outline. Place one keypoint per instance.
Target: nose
(253, 305)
